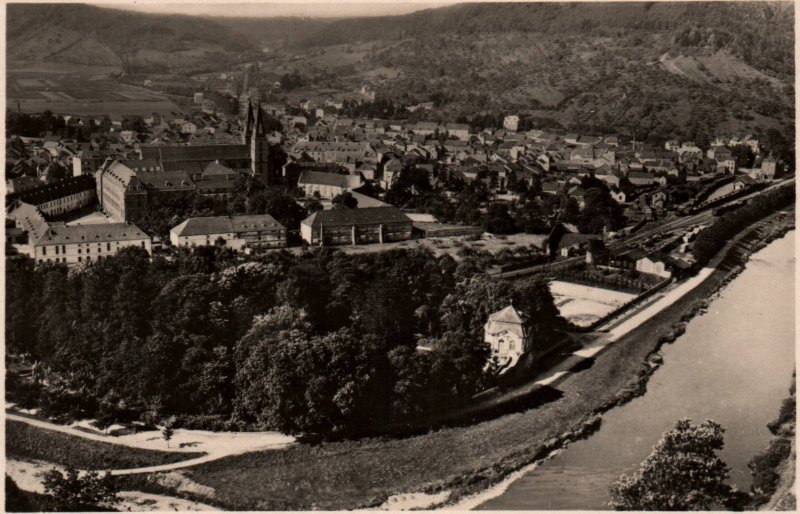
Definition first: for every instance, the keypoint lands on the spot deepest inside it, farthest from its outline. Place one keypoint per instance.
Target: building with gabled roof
(507, 333)
(60, 197)
(356, 226)
(327, 185)
(242, 233)
(75, 244)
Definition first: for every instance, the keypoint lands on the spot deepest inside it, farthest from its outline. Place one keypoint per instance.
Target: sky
(317, 8)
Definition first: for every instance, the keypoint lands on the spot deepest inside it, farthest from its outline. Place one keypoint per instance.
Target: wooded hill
(88, 35)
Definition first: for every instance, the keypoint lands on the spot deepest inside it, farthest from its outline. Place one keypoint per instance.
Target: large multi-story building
(59, 198)
(73, 244)
(120, 192)
(242, 233)
(356, 226)
(86, 243)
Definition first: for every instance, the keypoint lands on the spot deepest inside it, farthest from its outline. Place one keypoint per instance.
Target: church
(124, 194)
(251, 157)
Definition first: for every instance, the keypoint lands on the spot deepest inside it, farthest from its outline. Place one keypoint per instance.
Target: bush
(764, 469)
(74, 492)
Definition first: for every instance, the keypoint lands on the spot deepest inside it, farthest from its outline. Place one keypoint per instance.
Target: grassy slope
(347, 475)
(28, 442)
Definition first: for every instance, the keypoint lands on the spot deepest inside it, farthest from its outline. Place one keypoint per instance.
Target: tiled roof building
(356, 226)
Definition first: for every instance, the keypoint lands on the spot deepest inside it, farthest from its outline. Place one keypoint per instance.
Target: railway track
(671, 224)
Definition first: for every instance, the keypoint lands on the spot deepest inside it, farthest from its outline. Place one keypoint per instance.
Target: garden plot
(582, 305)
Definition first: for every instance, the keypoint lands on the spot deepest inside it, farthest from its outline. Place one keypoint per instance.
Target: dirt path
(27, 475)
(216, 445)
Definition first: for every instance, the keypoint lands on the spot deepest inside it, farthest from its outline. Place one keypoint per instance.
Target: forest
(317, 343)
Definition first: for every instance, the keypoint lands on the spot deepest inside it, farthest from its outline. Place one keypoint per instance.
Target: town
(338, 290)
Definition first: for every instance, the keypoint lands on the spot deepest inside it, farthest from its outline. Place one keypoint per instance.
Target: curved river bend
(733, 365)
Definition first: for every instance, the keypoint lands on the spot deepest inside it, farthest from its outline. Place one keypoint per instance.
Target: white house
(653, 265)
(327, 185)
(511, 123)
(236, 232)
(508, 336)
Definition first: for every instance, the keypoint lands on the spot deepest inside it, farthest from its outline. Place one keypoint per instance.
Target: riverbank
(459, 461)
(667, 327)
(465, 461)
(774, 468)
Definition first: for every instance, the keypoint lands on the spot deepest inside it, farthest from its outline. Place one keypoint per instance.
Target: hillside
(684, 70)
(662, 70)
(87, 35)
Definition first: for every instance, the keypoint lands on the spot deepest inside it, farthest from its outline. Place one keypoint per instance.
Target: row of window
(62, 249)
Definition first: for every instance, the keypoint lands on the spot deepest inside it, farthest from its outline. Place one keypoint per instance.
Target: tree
(80, 492)
(683, 472)
(344, 201)
(167, 433)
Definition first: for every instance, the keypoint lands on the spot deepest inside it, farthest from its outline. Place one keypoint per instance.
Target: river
(733, 365)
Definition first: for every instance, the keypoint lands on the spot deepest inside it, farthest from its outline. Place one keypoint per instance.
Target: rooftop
(365, 216)
(226, 225)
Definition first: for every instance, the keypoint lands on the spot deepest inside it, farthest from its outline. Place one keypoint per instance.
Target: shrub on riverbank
(28, 442)
(710, 240)
(766, 467)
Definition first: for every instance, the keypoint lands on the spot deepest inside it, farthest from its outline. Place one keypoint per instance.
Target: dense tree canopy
(318, 342)
(683, 472)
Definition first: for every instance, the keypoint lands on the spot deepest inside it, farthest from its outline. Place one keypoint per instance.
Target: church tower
(255, 134)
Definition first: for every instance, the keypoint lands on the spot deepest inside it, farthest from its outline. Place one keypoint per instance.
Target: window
(108, 247)
(44, 251)
(143, 245)
(56, 249)
(79, 259)
(64, 249)
(79, 250)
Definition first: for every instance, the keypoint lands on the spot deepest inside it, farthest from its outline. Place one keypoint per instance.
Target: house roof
(329, 179)
(367, 201)
(507, 315)
(59, 189)
(59, 233)
(164, 153)
(166, 180)
(29, 217)
(22, 183)
(506, 320)
(226, 225)
(215, 169)
(426, 125)
(366, 216)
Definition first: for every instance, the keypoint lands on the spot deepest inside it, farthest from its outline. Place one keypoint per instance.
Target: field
(26, 442)
(582, 305)
(82, 94)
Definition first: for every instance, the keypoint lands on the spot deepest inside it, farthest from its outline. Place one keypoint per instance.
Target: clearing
(583, 305)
